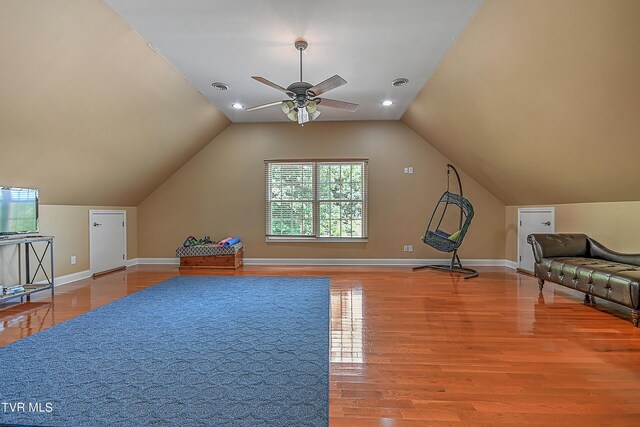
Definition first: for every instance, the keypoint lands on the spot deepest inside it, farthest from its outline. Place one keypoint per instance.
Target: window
(324, 200)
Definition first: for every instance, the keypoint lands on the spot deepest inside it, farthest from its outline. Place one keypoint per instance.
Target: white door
(107, 240)
(532, 220)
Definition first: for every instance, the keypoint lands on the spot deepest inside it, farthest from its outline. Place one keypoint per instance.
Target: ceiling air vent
(219, 86)
(400, 82)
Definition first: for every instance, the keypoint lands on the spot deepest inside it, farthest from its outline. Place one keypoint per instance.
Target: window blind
(316, 198)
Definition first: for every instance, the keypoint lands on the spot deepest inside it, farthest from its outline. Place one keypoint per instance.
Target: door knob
(95, 224)
(546, 223)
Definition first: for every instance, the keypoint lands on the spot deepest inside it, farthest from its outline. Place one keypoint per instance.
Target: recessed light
(387, 103)
(219, 86)
(237, 106)
(400, 82)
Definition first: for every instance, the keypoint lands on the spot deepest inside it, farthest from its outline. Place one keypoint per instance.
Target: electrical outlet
(405, 248)
(408, 169)
(409, 248)
(73, 260)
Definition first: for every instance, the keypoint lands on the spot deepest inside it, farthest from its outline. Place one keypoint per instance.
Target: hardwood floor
(428, 348)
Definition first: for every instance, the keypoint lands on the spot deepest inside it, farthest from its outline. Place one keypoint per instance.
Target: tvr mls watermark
(27, 407)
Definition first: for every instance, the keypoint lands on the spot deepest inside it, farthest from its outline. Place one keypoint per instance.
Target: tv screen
(18, 210)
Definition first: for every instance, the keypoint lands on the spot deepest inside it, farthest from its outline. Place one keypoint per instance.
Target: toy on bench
(205, 253)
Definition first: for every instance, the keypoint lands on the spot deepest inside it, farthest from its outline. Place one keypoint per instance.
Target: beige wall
(89, 113)
(70, 227)
(220, 192)
(615, 224)
(539, 101)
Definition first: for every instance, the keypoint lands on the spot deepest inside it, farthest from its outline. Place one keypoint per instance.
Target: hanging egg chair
(455, 212)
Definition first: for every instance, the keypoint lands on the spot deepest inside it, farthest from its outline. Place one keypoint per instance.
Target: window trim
(313, 239)
(316, 205)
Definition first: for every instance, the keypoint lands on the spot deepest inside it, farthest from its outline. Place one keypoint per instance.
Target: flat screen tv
(18, 210)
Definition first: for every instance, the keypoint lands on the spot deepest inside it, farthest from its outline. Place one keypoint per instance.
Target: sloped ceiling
(367, 42)
(89, 113)
(539, 101)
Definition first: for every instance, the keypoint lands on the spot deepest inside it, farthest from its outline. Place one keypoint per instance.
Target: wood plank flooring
(428, 348)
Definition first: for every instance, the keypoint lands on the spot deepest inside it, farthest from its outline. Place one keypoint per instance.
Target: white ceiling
(367, 42)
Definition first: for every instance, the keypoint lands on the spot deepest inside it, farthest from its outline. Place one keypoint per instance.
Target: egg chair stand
(443, 241)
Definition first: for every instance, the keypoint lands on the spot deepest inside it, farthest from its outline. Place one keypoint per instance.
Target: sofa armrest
(597, 250)
(547, 245)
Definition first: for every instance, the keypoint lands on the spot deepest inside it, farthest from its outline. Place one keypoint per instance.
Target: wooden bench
(211, 256)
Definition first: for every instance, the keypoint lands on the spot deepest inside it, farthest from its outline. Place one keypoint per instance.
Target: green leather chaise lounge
(579, 262)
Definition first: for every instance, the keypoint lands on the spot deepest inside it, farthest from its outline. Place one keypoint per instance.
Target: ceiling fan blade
(327, 85)
(272, 84)
(341, 105)
(259, 107)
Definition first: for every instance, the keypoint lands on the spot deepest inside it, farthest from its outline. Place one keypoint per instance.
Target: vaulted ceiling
(367, 42)
(537, 100)
(89, 113)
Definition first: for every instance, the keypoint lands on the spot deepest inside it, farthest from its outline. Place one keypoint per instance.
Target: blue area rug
(196, 351)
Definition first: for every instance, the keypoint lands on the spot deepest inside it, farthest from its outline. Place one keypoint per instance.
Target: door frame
(92, 262)
(550, 210)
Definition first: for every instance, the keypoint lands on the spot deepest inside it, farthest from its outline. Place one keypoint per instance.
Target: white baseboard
(74, 277)
(407, 262)
(338, 261)
(152, 261)
(131, 262)
(69, 278)
(511, 264)
(370, 261)
(80, 275)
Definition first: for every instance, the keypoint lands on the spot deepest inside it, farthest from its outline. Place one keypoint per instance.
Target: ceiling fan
(304, 97)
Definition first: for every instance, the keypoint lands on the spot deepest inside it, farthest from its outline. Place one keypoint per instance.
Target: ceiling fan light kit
(287, 107)
(304, 97)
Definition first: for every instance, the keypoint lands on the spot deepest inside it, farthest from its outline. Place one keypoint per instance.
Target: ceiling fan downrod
(301, 45)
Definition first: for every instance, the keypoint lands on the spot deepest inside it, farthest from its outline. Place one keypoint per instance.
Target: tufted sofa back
(575, 245)
(558, 245)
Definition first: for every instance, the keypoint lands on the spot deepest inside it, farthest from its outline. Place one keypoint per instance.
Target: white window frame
(316, 204)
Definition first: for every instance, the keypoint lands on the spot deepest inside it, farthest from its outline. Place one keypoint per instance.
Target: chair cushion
(455, 236)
